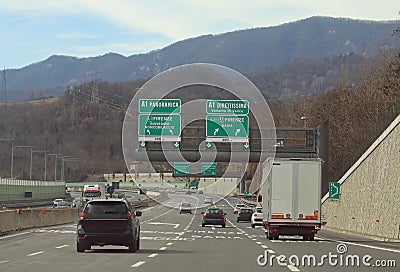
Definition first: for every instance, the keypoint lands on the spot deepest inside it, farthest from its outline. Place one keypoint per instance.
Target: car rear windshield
(214, 211)
(105, 210)
(246, 211)
(258, 210)
(186, 205)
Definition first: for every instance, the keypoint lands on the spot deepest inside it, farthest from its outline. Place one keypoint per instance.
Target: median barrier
(11, 220)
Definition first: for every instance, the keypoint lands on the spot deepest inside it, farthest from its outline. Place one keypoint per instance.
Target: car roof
(108, 200)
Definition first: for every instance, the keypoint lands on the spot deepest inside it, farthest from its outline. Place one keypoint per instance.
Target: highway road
(174, 242)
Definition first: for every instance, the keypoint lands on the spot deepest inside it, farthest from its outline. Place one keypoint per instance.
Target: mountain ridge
(245, 50)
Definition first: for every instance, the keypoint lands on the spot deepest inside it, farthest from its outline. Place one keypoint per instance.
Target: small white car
(57, 201)
(257, 217)
(237, 207)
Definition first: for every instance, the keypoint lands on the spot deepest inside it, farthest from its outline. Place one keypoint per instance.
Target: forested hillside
(89, 127)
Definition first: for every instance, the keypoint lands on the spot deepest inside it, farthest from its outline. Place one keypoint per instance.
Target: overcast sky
(33, 30)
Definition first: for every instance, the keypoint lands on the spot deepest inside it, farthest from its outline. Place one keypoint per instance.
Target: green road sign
(181, 168)
(230, 128)
(225, 107)
(209, 168)
(334, 190)
(155, 106)
(159, 127)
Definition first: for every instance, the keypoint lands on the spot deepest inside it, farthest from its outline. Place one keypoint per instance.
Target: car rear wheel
(80, 247)
(133, 247)
(253, 226)
(203, 225)
(223, 225)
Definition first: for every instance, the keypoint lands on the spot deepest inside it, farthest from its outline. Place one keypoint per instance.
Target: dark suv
(108, 222)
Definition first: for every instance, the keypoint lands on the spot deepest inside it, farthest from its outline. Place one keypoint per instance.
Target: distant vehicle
(291, 197)
(185, 207)
(108, 222)
(62, 204)
(257, 217)
(208, 200)
(238, 207)
(244, 214)
(77, 202)
(213, 216)
(200, 192)
(91, 191)
(56, 201)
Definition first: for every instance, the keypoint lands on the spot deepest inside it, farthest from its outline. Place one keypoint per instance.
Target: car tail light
(313, 231)
(274, 230)
(81, 215)
(129, 215)
(223, 217)
(205, 216)
(255, 215)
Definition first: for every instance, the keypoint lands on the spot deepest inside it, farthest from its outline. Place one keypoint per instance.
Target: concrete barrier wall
(19, 219)
(13, 189)
(369, 204)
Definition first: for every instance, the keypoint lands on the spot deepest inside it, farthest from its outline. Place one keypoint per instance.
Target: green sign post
(155, 106)
(227, 128)
(181, 168)
(334, 190)
(209, 168)
(222, 107)
(159, 127)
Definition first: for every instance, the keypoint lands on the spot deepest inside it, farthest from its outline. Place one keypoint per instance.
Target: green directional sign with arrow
(230, 127)
(181, 168)
(334, 190)
(162, 126)
(209, 168)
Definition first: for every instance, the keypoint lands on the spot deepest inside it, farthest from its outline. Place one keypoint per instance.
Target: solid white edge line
(362, 245)
(35, 253)
(14, 235)
(292, 268)
(138, 264)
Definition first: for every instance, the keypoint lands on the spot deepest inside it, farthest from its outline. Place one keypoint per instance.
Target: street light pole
(55, 165)
(12, 151)
(64, 159)
(45, 161)
(12, 158)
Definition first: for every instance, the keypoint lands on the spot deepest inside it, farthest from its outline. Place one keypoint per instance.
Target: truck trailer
(291, 197)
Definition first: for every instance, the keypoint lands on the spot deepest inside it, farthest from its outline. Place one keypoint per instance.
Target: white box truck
(291, 197)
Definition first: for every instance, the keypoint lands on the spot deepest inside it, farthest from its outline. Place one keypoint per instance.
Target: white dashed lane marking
(138, 264)
(61, 246)
(35, 253)
(153, 255)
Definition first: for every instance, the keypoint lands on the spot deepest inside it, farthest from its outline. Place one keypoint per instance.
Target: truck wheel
(223, 225)
(132, 247)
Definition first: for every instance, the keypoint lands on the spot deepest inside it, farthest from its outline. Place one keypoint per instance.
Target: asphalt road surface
(176, 242)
